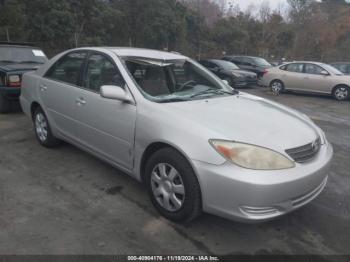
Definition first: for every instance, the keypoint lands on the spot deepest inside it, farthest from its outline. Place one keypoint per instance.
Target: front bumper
(251, 195)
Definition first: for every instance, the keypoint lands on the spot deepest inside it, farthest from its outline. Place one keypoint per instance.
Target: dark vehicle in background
(343, 67)
(15, 60)
(230, 72)
(254, 64)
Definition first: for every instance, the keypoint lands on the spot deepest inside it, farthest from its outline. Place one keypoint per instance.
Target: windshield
(226, 65)
(261, 62)
(332, 70)
(174, 80)
(11, 54)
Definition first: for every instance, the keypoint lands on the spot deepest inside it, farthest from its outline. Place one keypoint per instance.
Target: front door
(315, 81)
(106, 126)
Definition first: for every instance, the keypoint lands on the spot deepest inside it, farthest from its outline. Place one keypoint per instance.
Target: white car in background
(309, 77)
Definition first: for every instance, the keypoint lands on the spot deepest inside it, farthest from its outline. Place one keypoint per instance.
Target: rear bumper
(245, 83)
(10, 93)
(254, 196)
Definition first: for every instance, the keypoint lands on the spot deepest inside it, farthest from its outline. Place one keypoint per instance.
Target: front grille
(305, 153)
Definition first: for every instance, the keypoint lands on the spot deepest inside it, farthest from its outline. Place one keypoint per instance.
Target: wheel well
(339, 86)
(33, 108)
(276, 80)
(150, 150)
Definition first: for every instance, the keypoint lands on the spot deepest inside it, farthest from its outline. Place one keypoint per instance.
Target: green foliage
(198, 28)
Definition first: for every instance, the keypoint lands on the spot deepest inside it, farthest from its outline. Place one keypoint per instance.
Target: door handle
(80, 101)
(43, 88)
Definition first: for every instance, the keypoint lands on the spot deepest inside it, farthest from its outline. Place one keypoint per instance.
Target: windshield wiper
(31, 62)
(215, 91)
(169, 100)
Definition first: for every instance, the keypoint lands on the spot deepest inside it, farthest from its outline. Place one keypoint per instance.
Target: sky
(273, 3)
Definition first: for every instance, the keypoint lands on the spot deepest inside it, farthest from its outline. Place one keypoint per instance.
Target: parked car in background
(343, 67)
(311, 77)
(174, 126)
(16, 59)
(230, 72)
(254, 64)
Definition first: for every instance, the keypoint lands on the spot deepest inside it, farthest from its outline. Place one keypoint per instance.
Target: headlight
(250, 156)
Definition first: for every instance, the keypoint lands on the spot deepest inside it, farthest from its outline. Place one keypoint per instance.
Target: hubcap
(276, 87)
(341, 93)
(41, 127)
(168, 187)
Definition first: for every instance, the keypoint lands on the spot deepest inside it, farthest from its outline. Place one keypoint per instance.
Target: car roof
(305, 62)
(143, 52)
(340, 63)
(216, 60)
(233, 56)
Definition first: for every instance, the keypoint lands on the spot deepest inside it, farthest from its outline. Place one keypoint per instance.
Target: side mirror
(324, 73)
(115, 92)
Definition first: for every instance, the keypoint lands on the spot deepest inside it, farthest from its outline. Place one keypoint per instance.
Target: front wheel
(277, 87)
(341, 93)
(43, 130)
(172, 186)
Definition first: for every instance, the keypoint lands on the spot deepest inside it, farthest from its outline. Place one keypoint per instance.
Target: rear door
(106, 126)
(57, 88)
(293, 76)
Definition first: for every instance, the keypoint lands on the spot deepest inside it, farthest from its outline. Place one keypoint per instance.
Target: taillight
(14, 81)
(265, 72)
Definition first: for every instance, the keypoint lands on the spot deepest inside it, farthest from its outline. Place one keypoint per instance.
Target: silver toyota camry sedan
(196, 143)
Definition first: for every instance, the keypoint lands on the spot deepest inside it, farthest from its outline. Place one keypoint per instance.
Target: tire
(5, 105)
(178, 183)
(341, 93)
(277, 87)
(43, 130)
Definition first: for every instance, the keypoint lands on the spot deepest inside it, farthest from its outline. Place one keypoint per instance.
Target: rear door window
(297, 67)
(68, 69)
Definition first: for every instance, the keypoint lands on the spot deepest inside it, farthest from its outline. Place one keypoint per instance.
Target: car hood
(18, 67)
(249, 119)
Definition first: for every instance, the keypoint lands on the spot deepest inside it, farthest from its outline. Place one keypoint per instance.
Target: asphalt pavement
(64, 201)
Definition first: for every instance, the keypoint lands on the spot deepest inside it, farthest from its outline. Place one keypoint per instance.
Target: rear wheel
(172, 186)
(277, 87)
(341, 93)
(43, 129)
(5, 104)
